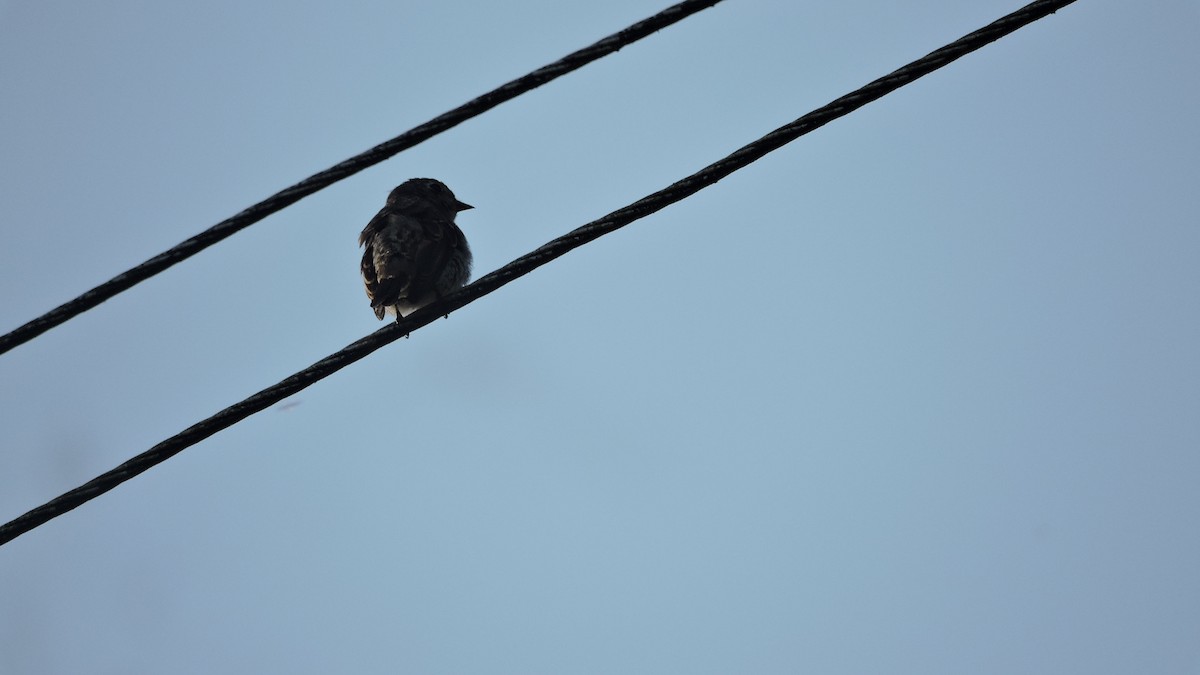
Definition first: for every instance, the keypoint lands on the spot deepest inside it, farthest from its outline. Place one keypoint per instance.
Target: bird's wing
(371, 280)
(392, 244)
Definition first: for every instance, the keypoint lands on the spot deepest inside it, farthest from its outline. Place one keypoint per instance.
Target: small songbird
(415, 254)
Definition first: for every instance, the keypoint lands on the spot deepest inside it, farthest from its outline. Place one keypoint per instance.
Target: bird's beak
(460, 206)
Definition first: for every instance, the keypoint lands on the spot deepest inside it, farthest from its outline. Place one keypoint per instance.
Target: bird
(413, 253)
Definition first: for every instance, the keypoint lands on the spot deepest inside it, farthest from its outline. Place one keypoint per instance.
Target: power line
(529, 262)
(288, 196)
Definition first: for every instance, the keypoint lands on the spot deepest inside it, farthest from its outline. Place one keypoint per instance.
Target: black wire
(527, 263)
(288, 196)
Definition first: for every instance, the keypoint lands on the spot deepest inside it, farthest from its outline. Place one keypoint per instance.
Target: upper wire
(529, 262)
(288, 196)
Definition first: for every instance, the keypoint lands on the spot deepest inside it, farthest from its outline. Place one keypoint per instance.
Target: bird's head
(419, 196)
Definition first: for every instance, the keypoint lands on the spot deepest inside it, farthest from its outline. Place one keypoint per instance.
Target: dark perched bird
(414, 253)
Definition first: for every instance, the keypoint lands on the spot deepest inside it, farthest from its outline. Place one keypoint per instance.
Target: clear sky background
(918, 393)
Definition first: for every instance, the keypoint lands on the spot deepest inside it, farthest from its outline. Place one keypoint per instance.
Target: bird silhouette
(414, 253)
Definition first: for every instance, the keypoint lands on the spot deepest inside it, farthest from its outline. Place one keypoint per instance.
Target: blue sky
(916, 393)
